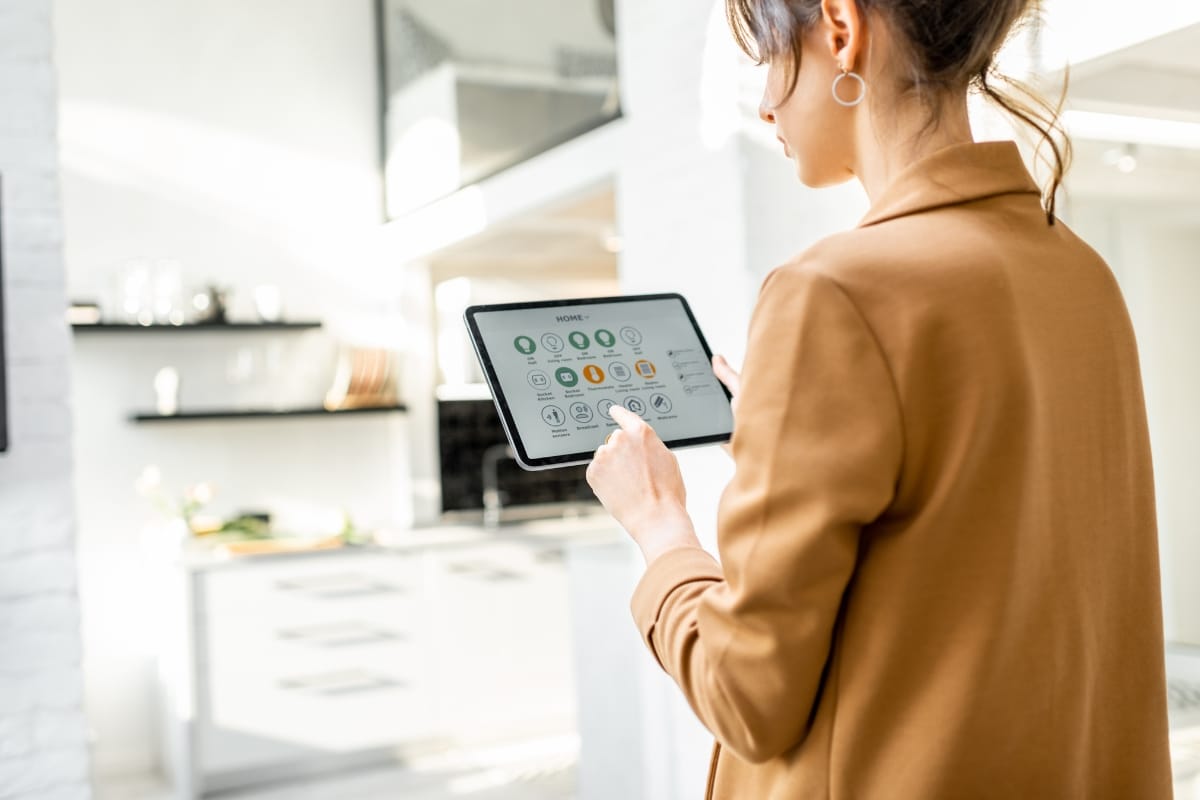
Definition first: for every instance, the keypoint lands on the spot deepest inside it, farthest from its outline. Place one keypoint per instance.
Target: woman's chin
(816, 178)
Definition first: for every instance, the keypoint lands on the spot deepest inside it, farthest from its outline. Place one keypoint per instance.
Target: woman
(939, 570)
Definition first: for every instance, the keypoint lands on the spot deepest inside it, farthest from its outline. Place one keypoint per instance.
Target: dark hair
(950, 46)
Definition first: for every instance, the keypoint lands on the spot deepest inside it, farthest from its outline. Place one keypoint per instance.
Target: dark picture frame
(3, 366)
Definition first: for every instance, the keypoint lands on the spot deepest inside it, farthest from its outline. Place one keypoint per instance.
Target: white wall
(241, 141)
(1153, 252)
(680, 212)
(238, 138)
(1166, 312)
(43, 752)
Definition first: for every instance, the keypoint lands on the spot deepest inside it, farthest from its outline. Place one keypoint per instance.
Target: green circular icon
(605, 338)
(579, 340)
(524, 345)
(566, 376)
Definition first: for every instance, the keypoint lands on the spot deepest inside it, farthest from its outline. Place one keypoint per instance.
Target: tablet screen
(557, 368)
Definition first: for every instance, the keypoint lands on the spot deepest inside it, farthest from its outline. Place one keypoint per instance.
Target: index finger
(628, 420)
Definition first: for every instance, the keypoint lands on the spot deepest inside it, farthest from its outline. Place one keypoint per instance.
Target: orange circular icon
(645, 369)
(593, 374)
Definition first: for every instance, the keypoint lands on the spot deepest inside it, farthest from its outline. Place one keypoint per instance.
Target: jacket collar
(957, 174)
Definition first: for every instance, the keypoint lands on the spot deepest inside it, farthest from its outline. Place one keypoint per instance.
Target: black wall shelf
(232, 414)
(120, 327)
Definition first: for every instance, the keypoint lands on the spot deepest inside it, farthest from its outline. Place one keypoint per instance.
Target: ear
(843, 31)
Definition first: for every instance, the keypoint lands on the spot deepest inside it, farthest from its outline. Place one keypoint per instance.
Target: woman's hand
(727, 375)
(638, 480)
(733, 382)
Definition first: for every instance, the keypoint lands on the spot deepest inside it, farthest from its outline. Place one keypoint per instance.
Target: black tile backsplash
(466, 428)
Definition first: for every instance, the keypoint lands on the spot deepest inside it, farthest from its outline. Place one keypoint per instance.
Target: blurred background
(259, 534)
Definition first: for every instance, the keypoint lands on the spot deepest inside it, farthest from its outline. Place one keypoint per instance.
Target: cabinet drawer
(325, 627)
(338, 709)
(229, 657)
(313, 592)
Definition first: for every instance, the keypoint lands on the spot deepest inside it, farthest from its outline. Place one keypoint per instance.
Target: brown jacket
(939, 570)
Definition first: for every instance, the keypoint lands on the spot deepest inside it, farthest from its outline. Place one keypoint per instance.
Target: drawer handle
(485, 570)
(339, 585)
(339, 634)
(353, 681)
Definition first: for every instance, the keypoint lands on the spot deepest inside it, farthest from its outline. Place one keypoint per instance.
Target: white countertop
(584, 529)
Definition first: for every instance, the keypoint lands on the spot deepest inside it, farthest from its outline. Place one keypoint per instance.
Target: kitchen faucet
(493, 498)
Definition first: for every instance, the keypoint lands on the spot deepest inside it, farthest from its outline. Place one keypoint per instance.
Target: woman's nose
(765, 113)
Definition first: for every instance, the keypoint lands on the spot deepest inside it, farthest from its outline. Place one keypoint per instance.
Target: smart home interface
(556, 370)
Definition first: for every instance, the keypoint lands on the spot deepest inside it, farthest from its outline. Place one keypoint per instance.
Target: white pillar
(706, 206)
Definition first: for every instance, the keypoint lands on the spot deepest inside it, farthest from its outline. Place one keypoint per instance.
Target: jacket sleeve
(817, 448)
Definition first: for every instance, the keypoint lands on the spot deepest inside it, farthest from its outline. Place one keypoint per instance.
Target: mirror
(473, 87)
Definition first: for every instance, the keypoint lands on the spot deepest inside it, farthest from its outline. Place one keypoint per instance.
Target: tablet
(556, 368)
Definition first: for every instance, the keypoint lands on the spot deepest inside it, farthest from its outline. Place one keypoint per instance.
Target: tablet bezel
(506, 417)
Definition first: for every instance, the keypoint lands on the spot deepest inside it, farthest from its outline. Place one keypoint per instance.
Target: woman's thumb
(726, 374)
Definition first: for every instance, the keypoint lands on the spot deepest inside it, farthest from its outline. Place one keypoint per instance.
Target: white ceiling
(1157, 78)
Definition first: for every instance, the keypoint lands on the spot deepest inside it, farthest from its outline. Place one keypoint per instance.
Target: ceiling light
(1130, 129)
(1124, 158)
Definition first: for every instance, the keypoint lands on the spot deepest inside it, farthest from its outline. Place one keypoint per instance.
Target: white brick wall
(43, 748)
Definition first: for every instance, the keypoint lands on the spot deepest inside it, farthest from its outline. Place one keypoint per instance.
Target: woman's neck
(888, 146)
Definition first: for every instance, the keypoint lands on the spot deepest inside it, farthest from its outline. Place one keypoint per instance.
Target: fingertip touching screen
(556, 368)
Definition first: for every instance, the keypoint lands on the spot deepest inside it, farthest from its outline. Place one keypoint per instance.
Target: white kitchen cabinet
(329, 653)
(281, 667)
(278, 666)
(502, 634)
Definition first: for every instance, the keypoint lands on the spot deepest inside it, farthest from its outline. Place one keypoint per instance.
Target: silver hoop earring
(862, 89)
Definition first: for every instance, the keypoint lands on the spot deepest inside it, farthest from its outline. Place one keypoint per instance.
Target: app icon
(593, 374)
(619, 371)
(524, 345)
(636, 405)
(603, 407)
(581, 413)
(552, 342)
(605, 338)
(631, 336)
(538, 379)
(645, 369)
(579, 340)
(566, 376)
(553, 416)
(660, 402)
